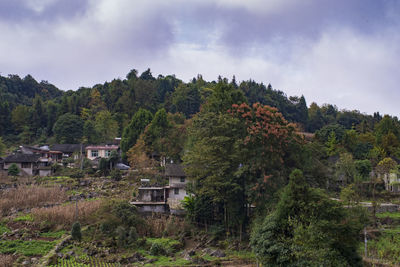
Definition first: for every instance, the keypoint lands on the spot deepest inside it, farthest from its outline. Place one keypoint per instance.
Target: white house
(102, 151)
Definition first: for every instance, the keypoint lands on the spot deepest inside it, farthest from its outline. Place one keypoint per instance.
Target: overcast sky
(343, 52)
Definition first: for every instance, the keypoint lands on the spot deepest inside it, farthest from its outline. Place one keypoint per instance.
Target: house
(29, 164)
(164, 198)
(151, 198)
(69, 150)
(101, 151)
(43, 151)
(176, 189)
(392, 182)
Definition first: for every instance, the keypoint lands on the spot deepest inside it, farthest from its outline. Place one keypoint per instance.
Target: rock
(60, 255)
(218, 253)
(34, 260)
(26, 263)
(71, 253)
(191, 252)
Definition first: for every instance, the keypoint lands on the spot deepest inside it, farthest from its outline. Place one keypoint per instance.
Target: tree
(106, 126)
(186, 99)
(136, 127)
(68, 129)
(307, 229)
(2, 147)
(345, 168)
(20, 117)
(90, 133)
(13, 170)
(76, 231)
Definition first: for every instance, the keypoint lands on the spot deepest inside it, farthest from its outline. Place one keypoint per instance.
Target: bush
(157, 249)
(121, 236)
(76, 231)
(133, 236)
(13, 170)
(116, 175)
(75, 173)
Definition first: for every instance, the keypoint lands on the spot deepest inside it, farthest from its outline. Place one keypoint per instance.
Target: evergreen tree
(132, 132)
(308, 229)
(76, 231)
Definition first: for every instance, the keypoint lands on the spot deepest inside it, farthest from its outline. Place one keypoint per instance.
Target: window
(108, 153)
(25, 165)
(182, 179)
(176, 191)
(95, 153)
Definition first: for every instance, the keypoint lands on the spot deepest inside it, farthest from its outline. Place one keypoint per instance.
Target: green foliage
(157, 249)
(307, 229)
(4, 229)
(68, 129)
(132, 132)
(76, 173)
(2, 147)
(13, 170)
(116, 175)
(26, 248)
(105, 126)
(76, 231)
(24, 218)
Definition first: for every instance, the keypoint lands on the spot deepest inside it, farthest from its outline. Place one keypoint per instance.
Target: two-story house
(101, 151)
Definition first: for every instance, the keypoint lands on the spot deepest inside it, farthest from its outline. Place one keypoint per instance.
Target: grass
(4, 229)
(167, 261)
(24, 218)
(56, 235)
(64, 215)
(86, 262)
(391, 215)
(28, 197)
(167, 243)
(26, 248)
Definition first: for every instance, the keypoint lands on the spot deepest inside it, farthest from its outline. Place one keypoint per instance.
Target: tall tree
(136, 127)
(307, 229)
(106, 126)
(68, 129)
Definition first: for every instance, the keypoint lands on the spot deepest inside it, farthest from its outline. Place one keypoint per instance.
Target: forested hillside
(29, 110)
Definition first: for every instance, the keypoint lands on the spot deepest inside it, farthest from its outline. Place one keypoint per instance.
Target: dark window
(182, 179)
(176, 191)
(25, 165)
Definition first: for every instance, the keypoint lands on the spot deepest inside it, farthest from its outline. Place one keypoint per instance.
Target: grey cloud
(21, 11)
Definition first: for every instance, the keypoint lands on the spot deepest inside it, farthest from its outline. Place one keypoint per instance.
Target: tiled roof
(67, 148)
(19, 158)
(174, 170)
(103, 147)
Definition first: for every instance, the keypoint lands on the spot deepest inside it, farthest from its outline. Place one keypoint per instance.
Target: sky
(342, 52)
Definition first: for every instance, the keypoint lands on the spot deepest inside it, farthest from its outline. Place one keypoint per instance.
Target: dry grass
(6, 260)
(159, 226)
(29, 197)
(65, 215)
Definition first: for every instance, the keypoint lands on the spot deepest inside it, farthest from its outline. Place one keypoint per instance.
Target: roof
(174, 170)
(122, 166)
(67, 148)
(103, 147)
(19, 158)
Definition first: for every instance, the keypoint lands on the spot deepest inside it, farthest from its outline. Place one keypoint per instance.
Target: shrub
(121, 236)
(157, 249)
(13, 170)
(75, 173)
(133, 236)
(116, 175)
(76, 231)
